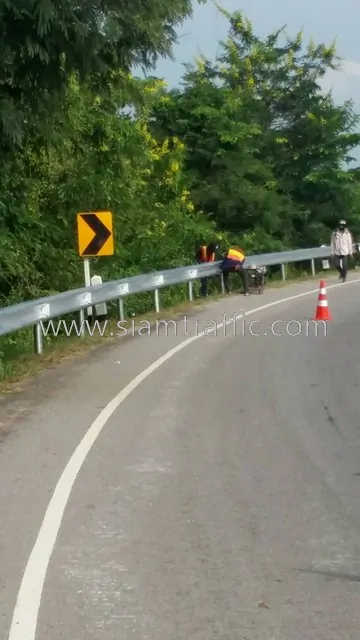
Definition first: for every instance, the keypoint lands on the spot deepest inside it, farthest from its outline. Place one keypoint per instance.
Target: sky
(324, 20)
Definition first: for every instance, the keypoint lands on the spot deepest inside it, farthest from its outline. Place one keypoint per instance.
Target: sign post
(87, 276)
(95, 239)
(87, 279)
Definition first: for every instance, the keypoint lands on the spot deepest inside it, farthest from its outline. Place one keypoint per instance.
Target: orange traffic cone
(322, 309)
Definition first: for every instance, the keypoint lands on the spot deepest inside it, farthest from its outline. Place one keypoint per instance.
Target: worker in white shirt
(341, 248)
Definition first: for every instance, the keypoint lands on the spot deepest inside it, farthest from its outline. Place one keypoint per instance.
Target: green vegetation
(247, 150)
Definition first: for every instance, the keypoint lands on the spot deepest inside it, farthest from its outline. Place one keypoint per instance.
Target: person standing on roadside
(341, 248)
(206, 253)
(234, 263)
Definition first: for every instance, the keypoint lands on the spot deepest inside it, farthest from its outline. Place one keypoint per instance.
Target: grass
(20, 363)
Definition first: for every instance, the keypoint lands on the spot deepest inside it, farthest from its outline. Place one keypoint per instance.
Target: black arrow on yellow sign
(100, 224)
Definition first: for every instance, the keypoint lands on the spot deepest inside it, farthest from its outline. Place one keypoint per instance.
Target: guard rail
(34, 312)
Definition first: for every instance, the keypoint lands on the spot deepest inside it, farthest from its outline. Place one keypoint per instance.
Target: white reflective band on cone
(322, 303)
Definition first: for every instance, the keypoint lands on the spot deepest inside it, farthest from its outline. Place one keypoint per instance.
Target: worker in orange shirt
(234, 263)
(205, 253)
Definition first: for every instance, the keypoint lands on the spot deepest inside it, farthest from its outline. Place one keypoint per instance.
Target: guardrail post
(283, 275)
(191, 291)
(38, 339)
(157, 302)
(82, 322)
(121, 312)
(222, 283)
(313, 267)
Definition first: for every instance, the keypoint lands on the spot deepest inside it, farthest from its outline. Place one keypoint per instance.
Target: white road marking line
(24, 622)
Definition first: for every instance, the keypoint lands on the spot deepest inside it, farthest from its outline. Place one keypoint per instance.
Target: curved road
(218, 498)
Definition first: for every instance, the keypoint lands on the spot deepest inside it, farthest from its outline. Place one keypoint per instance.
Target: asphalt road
(220, 498)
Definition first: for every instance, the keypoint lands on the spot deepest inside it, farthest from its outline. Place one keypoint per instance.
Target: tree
(107, 158)
(43, 43)
(266, 149)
